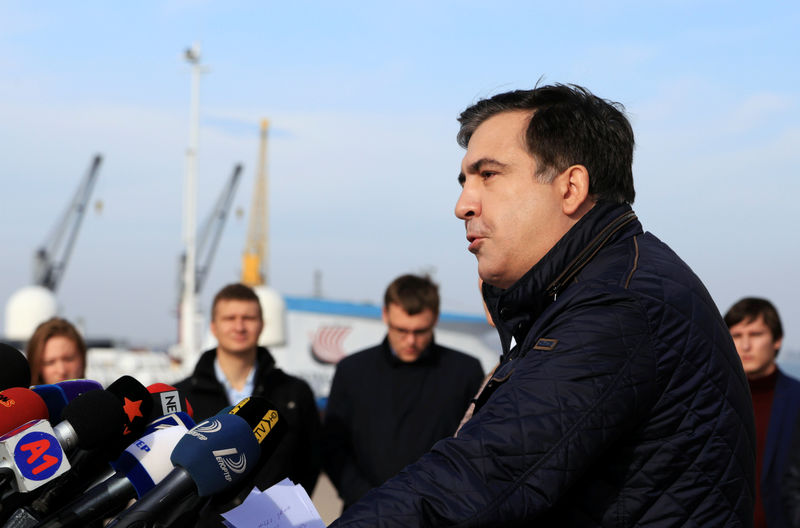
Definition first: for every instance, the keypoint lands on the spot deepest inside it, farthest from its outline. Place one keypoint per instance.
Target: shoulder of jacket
(360, 357)
(457, 357)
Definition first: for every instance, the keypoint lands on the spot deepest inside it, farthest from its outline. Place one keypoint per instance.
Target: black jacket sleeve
(790, 491)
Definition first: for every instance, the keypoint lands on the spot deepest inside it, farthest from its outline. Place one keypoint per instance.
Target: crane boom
(50, 259)
(256, 249)
(211, 232)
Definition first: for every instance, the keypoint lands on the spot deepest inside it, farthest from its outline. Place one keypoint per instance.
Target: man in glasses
(390, 403)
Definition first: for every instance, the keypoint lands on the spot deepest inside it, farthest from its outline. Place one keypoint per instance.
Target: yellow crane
(256, 254)
(256, 248)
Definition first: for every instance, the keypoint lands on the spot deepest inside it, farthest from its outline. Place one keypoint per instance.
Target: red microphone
(19, 405)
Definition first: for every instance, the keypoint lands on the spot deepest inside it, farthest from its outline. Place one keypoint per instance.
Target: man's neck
(236, 367)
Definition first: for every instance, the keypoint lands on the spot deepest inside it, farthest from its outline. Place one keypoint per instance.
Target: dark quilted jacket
(620, 401)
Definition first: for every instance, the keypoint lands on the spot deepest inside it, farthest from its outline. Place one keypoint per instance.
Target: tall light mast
(188, 309)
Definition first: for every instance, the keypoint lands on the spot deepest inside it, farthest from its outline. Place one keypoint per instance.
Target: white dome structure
(273, 308)
(26, 309)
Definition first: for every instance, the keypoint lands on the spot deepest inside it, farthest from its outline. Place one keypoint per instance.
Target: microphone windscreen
(76, 387)
(217, 453)
(97, 418)
(167, 399)
(147, 461)
(54, 398)
(262, 417)
(15, 371)
(19, 405)
(252, 409)
(136, 402)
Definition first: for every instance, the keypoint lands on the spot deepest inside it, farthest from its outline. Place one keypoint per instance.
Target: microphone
(15, 372)
(32, 455)
(92, 420)
(74, 388)
(54, 398)
(19, 405)
(213, 454)
(269, 430)
(136, 400)
(57, 396)
(88, 421)
(168, 399)
(95, 419)
(137, 405)
(141, 466)
(262, 417)
(216, 454)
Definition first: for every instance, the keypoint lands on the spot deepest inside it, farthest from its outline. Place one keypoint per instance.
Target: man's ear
(575, 190)
(385, 316)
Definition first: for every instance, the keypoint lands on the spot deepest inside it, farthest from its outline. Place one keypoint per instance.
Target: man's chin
(408, 357)
(242, 349)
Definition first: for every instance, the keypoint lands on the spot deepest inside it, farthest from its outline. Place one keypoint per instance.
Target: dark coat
(782, 454)
(623, 402)
(297, 456)
(382, 414)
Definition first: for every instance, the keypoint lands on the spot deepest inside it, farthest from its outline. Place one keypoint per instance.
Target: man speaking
(619, 399)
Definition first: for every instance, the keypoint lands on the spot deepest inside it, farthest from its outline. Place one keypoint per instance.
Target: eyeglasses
(405, 332)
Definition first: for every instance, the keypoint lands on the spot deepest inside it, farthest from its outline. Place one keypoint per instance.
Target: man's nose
(745, 343)
(468, 204)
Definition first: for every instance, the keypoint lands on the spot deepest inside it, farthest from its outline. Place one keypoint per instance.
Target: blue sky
(363, 98)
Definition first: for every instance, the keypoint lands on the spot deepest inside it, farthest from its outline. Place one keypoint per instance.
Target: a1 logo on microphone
(37, 456)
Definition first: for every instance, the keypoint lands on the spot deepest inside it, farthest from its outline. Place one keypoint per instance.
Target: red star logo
(131, 408)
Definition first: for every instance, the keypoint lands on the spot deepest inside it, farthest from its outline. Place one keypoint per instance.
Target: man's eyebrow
(476, 166)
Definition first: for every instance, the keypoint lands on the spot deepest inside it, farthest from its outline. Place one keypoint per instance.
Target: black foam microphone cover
(136, 403)
(14, 368)
(96, 417)
(263, 418)
(137, 407)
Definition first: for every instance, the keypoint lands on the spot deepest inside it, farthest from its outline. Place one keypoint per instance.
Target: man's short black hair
(751, 308)
(569, 126)
(413, 294)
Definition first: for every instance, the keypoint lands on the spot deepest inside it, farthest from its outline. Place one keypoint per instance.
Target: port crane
(256, 254)
(256, 248)
(51, 258)
(210, 233)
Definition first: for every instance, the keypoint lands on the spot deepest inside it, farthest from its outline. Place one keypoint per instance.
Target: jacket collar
(204, 370)
(428, 356)
(515, 309)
